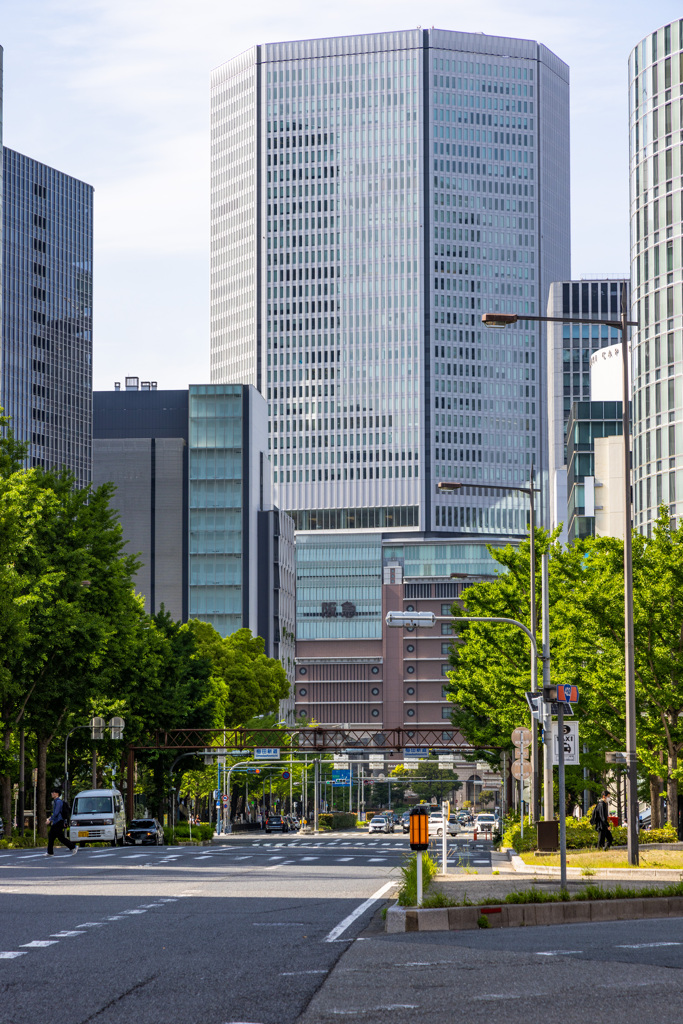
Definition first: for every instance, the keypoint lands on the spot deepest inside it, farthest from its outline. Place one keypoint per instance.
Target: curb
(519, 915)
(615, 874)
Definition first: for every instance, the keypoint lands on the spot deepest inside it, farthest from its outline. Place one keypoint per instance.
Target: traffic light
(419, 827)
(253, 771)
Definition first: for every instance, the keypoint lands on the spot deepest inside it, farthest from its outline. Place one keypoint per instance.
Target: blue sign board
(341, 776)
(416, 751)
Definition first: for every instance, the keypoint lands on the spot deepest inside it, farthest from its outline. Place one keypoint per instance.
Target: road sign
(341, 776)
(267, 753)
(415, 752)
(521, 737)
(224, 800)
(376, 757)
(535, 701)
(483, 766)
(571, 743)
(446, 760)
(520, 769)
(563, 692)
(615, 757)
(411, 765)
(285, 775)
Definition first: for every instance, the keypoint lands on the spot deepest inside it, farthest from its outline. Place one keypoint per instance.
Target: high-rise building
(371, 197)
(571, 349)
(46, 367)
(656, 194)
(46, 252)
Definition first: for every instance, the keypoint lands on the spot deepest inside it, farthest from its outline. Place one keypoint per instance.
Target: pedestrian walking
(57, 822)
(602, 822)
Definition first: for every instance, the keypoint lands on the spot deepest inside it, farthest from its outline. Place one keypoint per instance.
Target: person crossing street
(57, 822)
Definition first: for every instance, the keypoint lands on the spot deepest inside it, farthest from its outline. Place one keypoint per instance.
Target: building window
(303, 671)
(375, 713)
(445, 669)
(410, 648)
(445, 609)
(445, 712)
(302, 692)
(375, 670)
(302, 713)
(374, 691)
(445, 648)
(410, 608)
(410, 669)
(410, 691)
(446, 629)
(410, 712)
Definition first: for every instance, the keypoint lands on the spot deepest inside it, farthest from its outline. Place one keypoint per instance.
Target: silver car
(381, 824)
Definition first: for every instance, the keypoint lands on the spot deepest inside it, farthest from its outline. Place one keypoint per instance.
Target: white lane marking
(559, 952)
(481, 862)
(377, 860)
(495, 995)
(205, 856)
(148, 905)
(90, 924)
(309, 858)
(278, 924)
(39, 943)
(168, 899)
(134, 856)
(280, 865)
(294, 974)
(648, 945)
(135, 912)
(277, 856)
(10, 956)
(65, 935)
(344, 860)
(343, 925)
(32, 856)
(116, 917)
(245, 856)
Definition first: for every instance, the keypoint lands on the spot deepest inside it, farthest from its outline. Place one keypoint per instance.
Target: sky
(116, 92)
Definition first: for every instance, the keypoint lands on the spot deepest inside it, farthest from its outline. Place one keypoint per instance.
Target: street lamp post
(621, 325)
(446, 486)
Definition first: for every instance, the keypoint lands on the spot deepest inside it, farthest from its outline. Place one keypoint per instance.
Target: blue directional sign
(341, 776)
(416, 751)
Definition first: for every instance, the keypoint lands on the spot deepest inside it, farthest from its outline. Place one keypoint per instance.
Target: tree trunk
(672, 792)
(7, 786)
(656, 784)
(41, 792)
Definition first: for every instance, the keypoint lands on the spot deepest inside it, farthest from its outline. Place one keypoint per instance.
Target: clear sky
(116, 92)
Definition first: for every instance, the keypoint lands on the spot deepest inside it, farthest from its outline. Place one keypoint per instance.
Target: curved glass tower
(656, 195)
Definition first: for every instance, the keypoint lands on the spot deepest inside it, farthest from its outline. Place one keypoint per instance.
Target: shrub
(337, 820)
(199, 832)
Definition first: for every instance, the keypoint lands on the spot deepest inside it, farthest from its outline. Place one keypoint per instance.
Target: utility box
(548, 835)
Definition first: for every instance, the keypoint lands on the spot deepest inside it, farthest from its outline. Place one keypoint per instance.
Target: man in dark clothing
(57, 823)
(602, 811)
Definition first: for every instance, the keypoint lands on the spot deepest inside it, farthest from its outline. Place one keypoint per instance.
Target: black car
(144, 832)
(276, 823)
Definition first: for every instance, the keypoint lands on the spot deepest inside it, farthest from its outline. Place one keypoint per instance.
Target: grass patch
(407, 894)
(590, 892)
(591, 859)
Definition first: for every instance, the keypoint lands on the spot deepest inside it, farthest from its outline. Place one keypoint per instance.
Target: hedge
(337, 820)
(581, 835)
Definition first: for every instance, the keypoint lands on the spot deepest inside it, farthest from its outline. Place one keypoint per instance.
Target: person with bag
(57, 822)
(600, 821)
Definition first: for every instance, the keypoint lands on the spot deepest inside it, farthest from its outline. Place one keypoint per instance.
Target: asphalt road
(236, 933)
(626, 971)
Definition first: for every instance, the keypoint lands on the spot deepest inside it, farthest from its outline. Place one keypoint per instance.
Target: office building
(595, 470)
(655, 80)
(371, 197)
(571, 349)
(46, 257)
(46, 371)
(194, 496)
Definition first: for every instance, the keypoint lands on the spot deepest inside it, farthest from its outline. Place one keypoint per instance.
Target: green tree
(428, 780)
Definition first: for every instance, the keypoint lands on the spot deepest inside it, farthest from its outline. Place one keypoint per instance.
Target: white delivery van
(98, 816)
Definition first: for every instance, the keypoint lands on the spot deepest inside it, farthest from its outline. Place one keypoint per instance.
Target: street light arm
(511, 319)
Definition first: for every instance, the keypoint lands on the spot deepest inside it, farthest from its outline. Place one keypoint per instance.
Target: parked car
(144, 832)
(98, 815)
(405, 821)
(380, 823)
(293, 824)
(276, 823)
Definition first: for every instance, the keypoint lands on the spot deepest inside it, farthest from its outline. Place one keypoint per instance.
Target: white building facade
(656, 195)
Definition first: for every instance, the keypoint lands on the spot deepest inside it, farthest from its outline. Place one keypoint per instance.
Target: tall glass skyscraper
(46, 366)
(656, 120)
(371, 197)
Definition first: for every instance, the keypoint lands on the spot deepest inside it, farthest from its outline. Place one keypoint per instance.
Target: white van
(98, 816)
